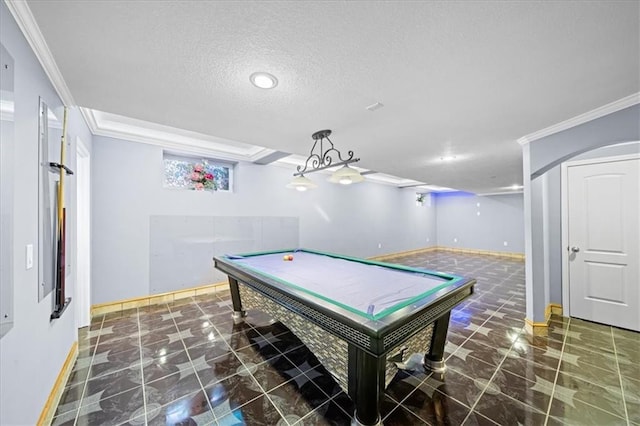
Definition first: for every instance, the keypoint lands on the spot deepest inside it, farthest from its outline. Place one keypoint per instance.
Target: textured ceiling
(463, 79)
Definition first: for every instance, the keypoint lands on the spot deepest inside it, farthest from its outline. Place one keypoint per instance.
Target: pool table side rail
(446, 282)
(374, 336)
(374, 321)
(355, 259)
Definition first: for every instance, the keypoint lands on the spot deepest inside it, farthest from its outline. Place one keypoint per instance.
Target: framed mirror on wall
(46, 207)
(54, 261)
(6, 189)
(50, 133)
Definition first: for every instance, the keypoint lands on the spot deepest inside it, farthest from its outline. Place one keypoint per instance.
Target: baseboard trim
(552, 309)
(536, 328)
(542, 328)
(58, 387)
(519, 256)
(387, 256)
(156, 299)
(556, 309)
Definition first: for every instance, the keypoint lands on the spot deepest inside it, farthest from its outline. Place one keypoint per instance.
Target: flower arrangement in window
(197, 175)
(201, 179)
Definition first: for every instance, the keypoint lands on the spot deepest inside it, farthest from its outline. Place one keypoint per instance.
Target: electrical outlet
(506, 244)
(455, 240)
(379, 245)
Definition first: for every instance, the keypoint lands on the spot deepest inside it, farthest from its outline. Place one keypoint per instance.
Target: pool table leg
(434, 360)
(366, 386)
(238, 313)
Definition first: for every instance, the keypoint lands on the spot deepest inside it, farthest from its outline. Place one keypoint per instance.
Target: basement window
(206, 174)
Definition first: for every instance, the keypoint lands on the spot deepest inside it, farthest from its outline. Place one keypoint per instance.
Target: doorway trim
(83, 235)
(564, 186)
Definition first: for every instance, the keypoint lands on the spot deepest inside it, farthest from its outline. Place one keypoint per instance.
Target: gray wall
(7, 142)
(541, 161)
(621, 126)
(362, 220)
(181, 247)
(554, 202)
(480, 222)
(33, 351)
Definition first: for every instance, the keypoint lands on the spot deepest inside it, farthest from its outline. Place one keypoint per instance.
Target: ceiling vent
(375, 106)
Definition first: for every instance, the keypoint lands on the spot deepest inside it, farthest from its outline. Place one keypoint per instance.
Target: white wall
(33, 351)
(480, 222)
(127, 188)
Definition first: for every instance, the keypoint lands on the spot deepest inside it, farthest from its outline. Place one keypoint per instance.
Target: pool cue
(60, 296)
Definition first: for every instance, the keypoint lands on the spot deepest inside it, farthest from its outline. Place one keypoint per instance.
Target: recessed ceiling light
(263, 80)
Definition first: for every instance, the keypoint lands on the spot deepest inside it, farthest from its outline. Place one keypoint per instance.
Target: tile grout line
(315, 410)
(483, 323)
(245, 367)
(492, 377)
(266, 394)
(86, 379)
(144, 395)
(555, 379)
(253, 377)
(461, 345)
(624, 401)
(304, 373)
(186, 350)
(498, 367)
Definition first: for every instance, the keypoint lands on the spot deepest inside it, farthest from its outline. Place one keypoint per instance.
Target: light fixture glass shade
(346, 176)
(301, 183)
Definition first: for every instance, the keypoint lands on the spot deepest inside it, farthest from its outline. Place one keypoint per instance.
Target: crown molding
(87, 114)
(607, 109)
(177, 147)
(176, 140)
(29, 27)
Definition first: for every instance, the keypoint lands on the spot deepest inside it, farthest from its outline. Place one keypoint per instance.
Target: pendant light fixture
(324, 155)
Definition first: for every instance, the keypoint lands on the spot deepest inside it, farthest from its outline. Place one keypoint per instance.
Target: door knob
(575, 249)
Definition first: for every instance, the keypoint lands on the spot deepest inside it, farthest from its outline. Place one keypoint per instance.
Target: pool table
(361, 318)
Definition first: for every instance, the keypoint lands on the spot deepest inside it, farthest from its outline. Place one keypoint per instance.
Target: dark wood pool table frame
(369, 341)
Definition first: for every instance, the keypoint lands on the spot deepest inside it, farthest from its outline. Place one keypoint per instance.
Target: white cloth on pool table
(366, 288)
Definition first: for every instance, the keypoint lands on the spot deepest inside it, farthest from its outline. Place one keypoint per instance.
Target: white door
(604, 242)
(83, 261)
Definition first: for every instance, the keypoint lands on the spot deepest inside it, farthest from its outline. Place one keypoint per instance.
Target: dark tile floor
(186, 363)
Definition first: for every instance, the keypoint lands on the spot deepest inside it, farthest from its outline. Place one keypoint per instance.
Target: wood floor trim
(155, 299)
(58, 387)
(519, 256)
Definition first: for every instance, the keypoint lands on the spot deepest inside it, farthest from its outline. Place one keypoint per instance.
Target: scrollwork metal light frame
(324, 158)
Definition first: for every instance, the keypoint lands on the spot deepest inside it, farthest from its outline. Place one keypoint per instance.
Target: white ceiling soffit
(115, 126)
(459, 79)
